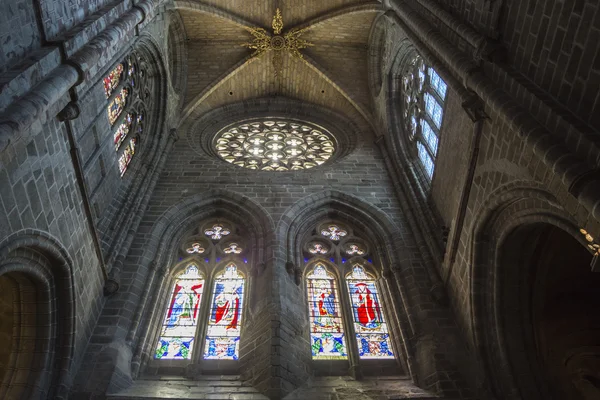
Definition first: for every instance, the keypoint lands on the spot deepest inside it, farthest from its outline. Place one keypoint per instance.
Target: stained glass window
(334, 232)
(123, 131)
(275, 145)
(127, 155)
(225, 319)
(369, 324)
(424, 94)
(115, 108)
(179, 327)
(112, 80)
(326, 326)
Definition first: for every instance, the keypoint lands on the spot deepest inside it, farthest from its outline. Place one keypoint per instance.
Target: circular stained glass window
(275, 145)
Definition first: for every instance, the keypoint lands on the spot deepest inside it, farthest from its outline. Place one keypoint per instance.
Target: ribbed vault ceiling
(332, 74)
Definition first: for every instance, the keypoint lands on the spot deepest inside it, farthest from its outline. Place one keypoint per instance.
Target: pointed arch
(510, 211)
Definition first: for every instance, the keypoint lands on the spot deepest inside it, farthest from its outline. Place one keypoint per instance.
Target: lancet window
(125, 88)
(204, 308)
(334, 258)
(424, 95)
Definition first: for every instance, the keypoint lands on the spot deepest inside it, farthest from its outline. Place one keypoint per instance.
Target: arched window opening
(334, 250)
(424, 94)
(326, 325)
(223, 336)
(179, 327)
(213, 257)
(125, 108)
(369, 323)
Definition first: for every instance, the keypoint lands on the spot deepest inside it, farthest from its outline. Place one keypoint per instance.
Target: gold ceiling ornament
(264, 42)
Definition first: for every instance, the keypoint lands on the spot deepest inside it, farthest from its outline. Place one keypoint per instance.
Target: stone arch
(162, 249)
(177, 53)
(36, 273)
(515, 216)
(297, 221)
(379, 49)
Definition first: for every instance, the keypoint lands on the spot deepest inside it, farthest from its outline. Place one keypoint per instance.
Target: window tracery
(275, 145)
(128, 81)
(210, 329)
(424, 94)
(333, 317)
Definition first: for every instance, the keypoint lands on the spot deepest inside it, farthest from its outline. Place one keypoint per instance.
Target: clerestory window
(204, 311)
(124, 89)
(351, 319)
(424, 95)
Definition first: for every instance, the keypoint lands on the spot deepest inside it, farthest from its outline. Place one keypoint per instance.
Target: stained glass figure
(369, 324)
(318, 248)
(424, 94)
(196, 249)
(127, 156)
(233, 248)
(326, 326)
(217, 232)
(334, 232)
(354, 249)
(179, 327)
(123, 131)
(112, 80)
(115, 108)
(223, 335)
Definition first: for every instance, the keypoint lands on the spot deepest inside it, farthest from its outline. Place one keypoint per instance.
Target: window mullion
(348, 318)
(203, 317)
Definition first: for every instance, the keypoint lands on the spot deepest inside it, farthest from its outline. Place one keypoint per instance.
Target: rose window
(275, 145)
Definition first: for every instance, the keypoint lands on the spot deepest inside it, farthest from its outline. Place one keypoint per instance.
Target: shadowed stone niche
(20, 363)
(555, 322)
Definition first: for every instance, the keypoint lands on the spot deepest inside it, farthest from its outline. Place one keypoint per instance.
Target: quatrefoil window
(217, 232)
(334, 232)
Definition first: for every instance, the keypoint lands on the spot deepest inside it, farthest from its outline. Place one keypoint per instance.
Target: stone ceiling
(332, 74)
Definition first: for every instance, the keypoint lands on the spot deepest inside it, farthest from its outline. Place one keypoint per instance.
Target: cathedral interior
(300, 199)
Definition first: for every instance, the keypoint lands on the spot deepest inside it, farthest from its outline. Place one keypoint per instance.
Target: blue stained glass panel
(328, 346)
(430, 137)
(179, 326)
(374, 346)
(369, 322)
(434, 109)
(223, 334)
(174, 348)
(221, 348)
(437, 83)
(326, 325)
(425, 159)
